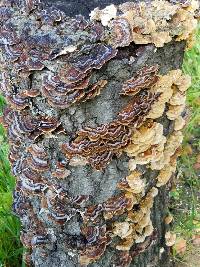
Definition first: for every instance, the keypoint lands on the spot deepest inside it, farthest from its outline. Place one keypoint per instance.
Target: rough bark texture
(102, 185)
(85, 180)
(72, 8)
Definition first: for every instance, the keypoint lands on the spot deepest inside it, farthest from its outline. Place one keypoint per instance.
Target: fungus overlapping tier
(53, 66)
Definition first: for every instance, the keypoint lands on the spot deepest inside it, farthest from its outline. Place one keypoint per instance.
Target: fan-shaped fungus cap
(121, 34)
(164, 175)
(175, 111)
(78, 161)
(125, 244)
(169, 219)
(173, 143)
(145, 78)
(122, 229)
(104, 15)
(179, 123)
(170, 239)
(136, 184)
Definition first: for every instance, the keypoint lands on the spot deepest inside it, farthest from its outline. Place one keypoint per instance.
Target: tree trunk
(61, 75)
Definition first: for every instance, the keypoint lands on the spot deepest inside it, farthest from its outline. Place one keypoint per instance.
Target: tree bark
(102, 185)
(61, 241)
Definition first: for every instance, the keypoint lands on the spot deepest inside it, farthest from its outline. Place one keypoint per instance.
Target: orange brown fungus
(92, 253)
(38, 158)
(117, 205)
(60, 170)
(121, 32)
(96, 243)
(71, 85)
(145, 78)
(51, 64)
(99, 144)
(63, 96)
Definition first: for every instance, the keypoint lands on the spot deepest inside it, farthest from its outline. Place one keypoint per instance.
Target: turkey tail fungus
(94, 117)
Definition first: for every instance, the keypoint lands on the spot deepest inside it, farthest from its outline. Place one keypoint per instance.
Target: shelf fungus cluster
(54, 76)
(145, 23)
(99, 144)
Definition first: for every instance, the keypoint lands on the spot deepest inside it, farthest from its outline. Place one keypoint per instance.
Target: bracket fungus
(170, 239)
(98, 145)
(145, 78)
(56, 71)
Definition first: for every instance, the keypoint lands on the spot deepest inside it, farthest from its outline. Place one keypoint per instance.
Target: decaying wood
(94, 119)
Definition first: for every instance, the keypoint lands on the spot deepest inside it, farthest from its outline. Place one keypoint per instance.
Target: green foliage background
(10, 246)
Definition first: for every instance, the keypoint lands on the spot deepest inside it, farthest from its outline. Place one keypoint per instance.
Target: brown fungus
(121, 32)
(61, 170)
(96, 148)
(54, 60)
(136, 111)
(145, 78)
(38, 159)
(170, 239)
(124, 259)
(158, 22)
(98, 145)
(92, 253)
(122, 229)
(94, 234)
(95, 90)
(63, 95)
(94, 58)
(91, 213)
(117, 205)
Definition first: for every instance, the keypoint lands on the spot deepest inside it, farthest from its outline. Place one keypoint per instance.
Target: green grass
(10, 246)
(185, 196)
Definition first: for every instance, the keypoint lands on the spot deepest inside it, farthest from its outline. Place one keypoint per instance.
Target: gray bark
(83, 7)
